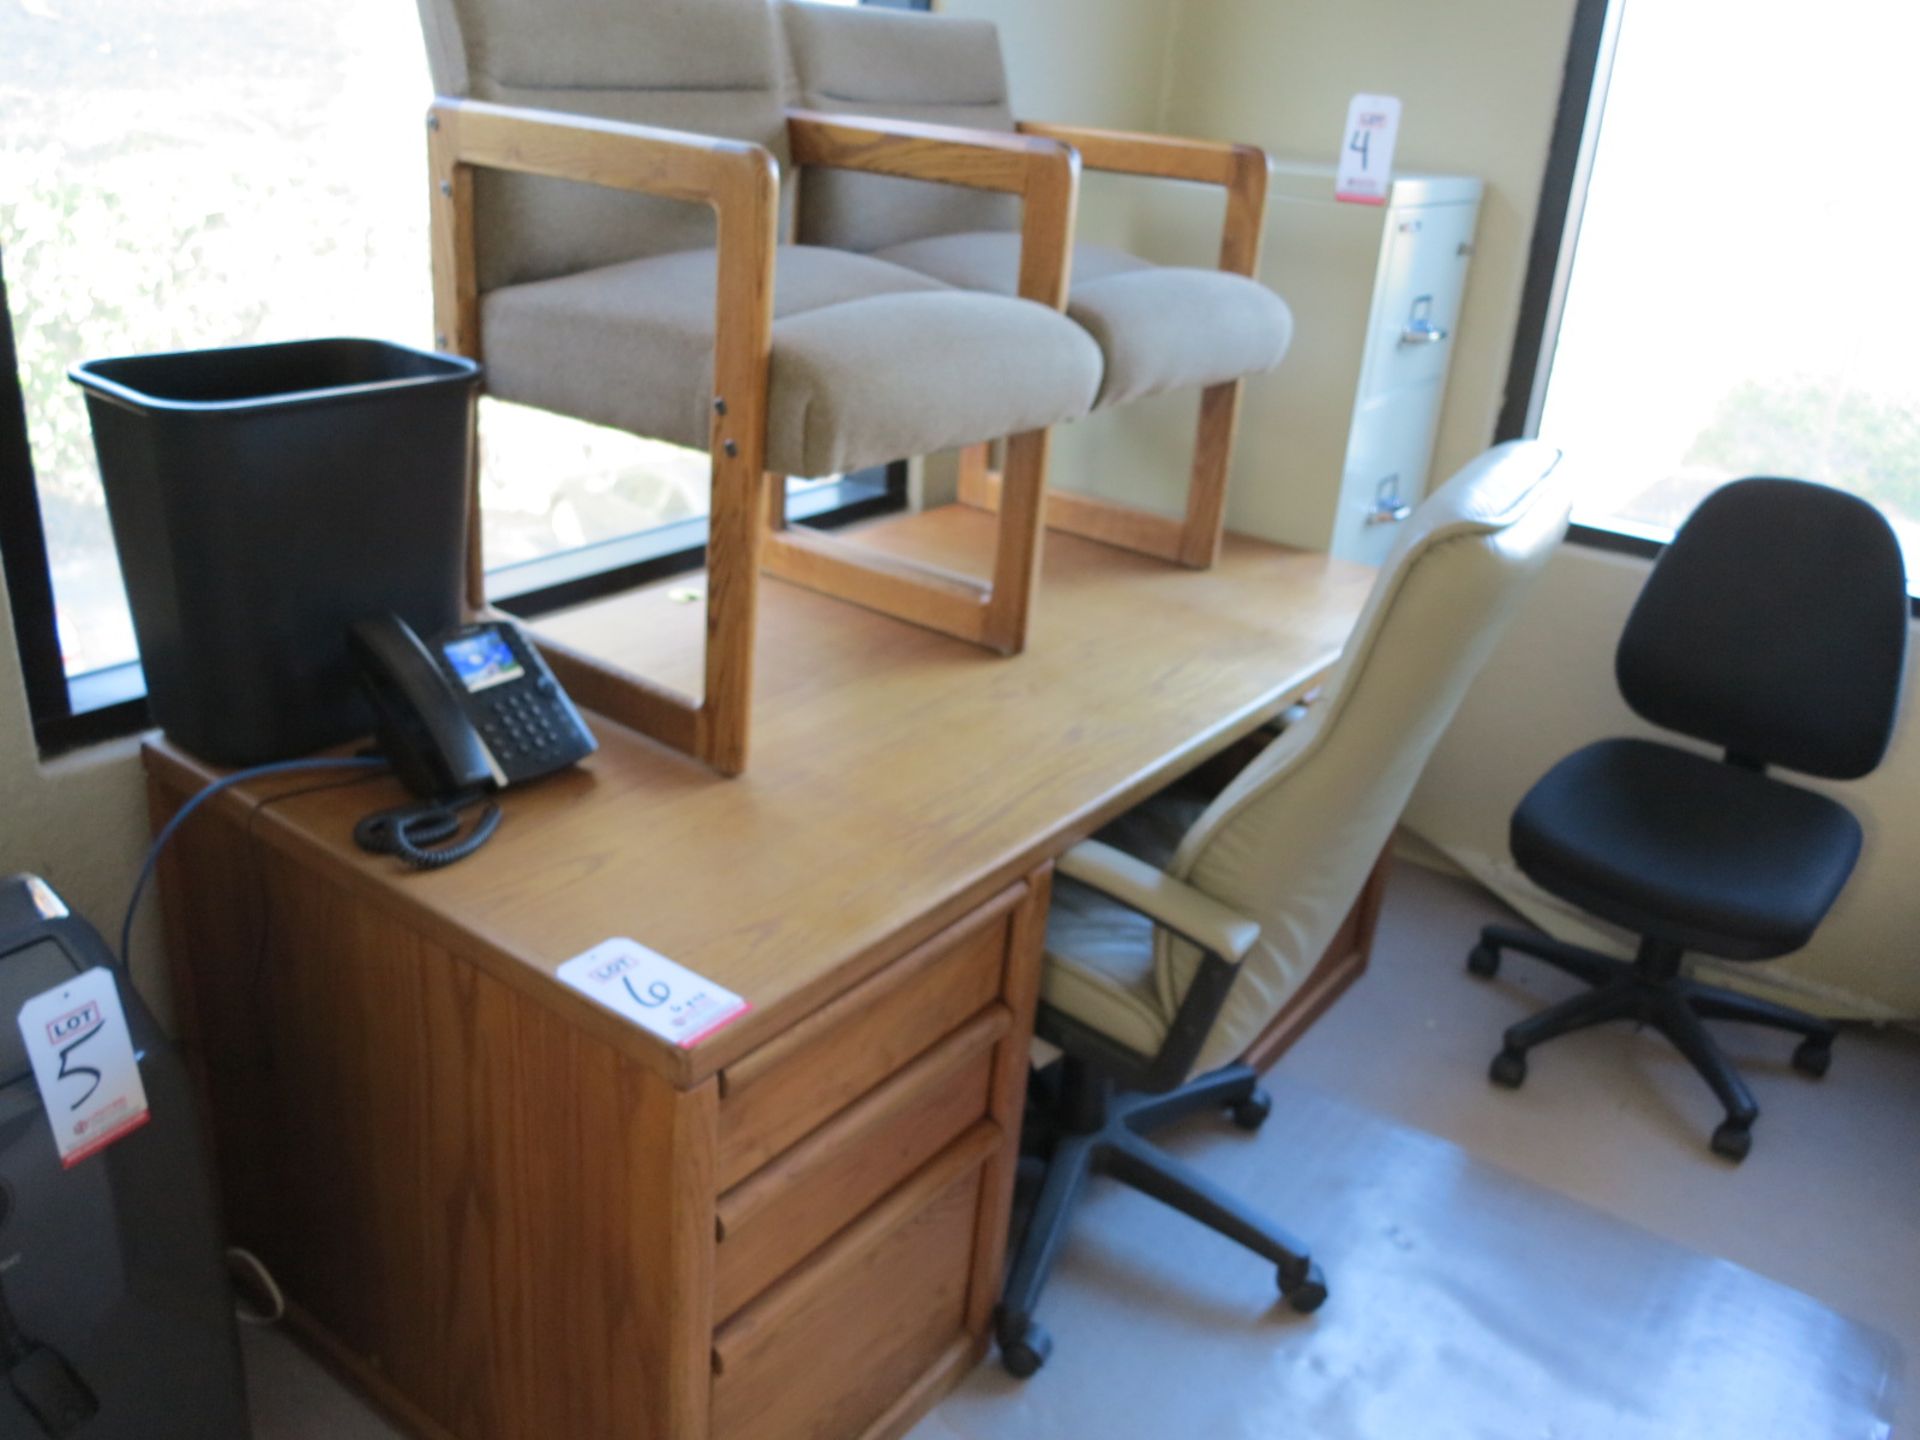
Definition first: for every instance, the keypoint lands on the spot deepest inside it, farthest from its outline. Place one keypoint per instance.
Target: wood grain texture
(831, 1348)
(1206, 517)
(1020, 992)
(800, 1198)
(783, 1090)
(913, 150)
(741, 183)
(921, 595)
(400, 1142)
(1133, 152)
(1243, 171)
(948, 1369)
(903, 777)
(1045, 175)
(1111, 522)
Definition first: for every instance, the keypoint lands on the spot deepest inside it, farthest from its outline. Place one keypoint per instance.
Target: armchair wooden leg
(1193, 540)
(734, 531)
(993, 615)
(1016, 551)
(776, 502)
(979, 486)
(1207, 489)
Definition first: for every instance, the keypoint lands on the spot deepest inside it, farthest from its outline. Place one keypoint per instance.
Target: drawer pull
(1420, 329)
(1388, 508)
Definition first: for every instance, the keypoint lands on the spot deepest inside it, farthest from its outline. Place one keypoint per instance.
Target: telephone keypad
(531, 723)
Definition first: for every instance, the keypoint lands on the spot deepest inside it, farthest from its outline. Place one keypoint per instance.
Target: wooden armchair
(1159, 327)
(619, 271)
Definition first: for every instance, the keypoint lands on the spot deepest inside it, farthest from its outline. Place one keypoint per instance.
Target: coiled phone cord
(421, 833)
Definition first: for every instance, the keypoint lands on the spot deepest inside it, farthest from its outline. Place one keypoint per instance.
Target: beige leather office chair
(614, 270)
(1178, 934)
(1160, 327)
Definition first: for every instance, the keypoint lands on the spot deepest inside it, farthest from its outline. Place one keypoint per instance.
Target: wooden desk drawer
(834, 1346)
(777, 1216)
(776, 1094)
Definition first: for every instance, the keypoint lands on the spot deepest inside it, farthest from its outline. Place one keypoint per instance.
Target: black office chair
(1775, 627)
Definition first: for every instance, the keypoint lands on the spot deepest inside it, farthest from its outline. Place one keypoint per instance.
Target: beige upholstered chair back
(902, 65)
(707, 66)
(1291, 841)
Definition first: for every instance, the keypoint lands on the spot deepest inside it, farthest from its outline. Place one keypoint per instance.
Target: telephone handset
(471, 710)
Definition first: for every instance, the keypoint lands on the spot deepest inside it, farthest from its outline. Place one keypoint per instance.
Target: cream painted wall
(1092, 62)
(1549, 689)
(79, 821)
(1480, 80)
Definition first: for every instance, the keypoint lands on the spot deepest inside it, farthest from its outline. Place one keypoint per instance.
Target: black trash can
(265, 497)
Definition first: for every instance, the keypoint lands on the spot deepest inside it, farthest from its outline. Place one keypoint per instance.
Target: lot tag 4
(645, 987)
(83, 1060)
(1366, 150)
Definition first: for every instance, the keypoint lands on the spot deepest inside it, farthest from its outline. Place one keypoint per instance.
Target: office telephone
(469, 711)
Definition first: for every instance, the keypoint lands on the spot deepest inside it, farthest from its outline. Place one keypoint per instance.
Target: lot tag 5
(83, 1060)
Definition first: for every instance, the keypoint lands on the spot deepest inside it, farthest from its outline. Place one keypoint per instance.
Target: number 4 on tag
(1366, 150)
(83, 1061)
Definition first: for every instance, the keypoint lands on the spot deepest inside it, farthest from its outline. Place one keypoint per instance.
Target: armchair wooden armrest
(1241, 170)
(1043, 172)
(742, 183)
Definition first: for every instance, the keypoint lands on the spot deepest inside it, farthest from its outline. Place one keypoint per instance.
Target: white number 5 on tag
(83, 1060)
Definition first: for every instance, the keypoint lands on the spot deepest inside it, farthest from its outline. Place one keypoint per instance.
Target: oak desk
(509, 1214)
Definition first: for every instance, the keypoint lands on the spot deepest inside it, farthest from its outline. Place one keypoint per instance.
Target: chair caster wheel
(1813, 1057)
(1303, 1287)
(1509, 1068)
(1025, 1354)
(1733, 1139)
(1252, 1112)
(1483, 960)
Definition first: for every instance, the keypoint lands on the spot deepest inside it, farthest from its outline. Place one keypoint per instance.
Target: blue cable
(356, 762)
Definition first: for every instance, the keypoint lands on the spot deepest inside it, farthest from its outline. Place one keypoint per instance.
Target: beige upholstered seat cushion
(871, 362)
(1100, 963)
(1161, 327)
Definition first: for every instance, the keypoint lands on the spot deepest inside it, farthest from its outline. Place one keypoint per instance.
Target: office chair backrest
(903, 65)
(1775, 625)
(711, 67)
(1290, 843)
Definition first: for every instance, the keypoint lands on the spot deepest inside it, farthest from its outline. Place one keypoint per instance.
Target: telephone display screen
(482, 660)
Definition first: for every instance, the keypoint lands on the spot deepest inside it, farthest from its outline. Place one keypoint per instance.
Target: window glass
(198, 173)
(1736, 304)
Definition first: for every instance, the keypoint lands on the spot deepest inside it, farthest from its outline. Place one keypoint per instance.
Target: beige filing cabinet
(1338, 442)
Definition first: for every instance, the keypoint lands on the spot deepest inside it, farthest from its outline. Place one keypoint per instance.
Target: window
(1721, 294)
(199, 173)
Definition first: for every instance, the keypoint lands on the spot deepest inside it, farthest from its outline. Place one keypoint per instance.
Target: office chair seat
(1680, 846)
(1161, 327)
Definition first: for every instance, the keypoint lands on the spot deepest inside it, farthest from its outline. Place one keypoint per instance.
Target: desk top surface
(897, 778)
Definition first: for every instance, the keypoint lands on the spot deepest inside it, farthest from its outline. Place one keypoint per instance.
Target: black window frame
(1576, 126)
(69, 712)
